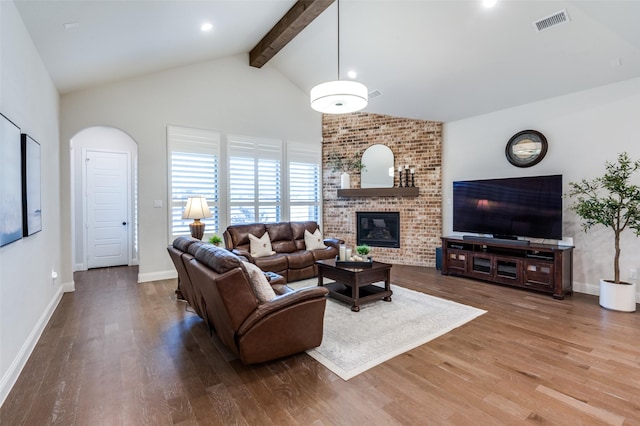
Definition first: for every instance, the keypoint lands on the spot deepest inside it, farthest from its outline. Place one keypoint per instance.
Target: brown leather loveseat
(292, 260)
(217, 284)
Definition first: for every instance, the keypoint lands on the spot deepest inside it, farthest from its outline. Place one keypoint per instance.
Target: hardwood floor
(120, 353)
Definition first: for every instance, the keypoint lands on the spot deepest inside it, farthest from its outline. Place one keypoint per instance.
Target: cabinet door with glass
(507, 270)
(481, 266)
(538, 274)
(456, 261)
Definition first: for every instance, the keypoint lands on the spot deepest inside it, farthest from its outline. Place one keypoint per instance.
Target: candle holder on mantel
(406, 178)
(413, 183)
(400, 180)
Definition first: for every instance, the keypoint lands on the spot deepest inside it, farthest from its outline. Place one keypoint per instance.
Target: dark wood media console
(541, 267)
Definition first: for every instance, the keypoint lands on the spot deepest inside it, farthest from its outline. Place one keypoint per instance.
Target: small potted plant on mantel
(613, 201)
(346, 165)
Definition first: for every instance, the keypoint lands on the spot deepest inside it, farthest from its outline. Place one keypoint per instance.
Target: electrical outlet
(633, 274)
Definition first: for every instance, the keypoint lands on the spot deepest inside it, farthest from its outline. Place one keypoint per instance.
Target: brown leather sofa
(216, 284)
(292, 260)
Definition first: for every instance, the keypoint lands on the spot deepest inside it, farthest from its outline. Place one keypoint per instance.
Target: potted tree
(345, 164)
(613, 201)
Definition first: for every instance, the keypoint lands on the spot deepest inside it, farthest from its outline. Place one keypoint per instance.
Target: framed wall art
(31, 207)
(526, 148)
(10, 182)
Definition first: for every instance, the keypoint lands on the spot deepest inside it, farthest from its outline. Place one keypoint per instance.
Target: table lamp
(196, 209)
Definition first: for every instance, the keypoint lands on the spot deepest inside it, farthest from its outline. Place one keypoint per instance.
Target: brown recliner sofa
(292, 260)
(216, 284)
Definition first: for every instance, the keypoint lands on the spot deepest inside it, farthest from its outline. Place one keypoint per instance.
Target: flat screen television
(509, 208)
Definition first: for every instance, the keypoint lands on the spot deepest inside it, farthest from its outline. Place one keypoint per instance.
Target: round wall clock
(526, 148)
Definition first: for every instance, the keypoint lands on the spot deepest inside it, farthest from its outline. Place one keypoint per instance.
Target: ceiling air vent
(552, 20)
(374, 94)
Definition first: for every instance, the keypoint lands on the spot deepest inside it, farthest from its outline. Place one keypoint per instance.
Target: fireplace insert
(378, 229)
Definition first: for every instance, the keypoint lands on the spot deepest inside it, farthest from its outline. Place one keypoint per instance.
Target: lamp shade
(196, 208)
(339, 97)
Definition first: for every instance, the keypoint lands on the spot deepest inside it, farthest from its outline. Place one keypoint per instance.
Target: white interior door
(107, 208)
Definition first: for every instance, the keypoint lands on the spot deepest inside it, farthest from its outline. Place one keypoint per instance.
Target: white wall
(584, 130)
(225, 95)
(28, 294)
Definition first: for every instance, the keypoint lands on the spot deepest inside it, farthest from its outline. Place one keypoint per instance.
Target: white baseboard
(156, 276)
(586, 288)
(69, 287)
(14, 370)
(593, 289)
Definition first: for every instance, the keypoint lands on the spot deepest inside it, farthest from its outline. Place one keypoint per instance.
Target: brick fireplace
(416, 143)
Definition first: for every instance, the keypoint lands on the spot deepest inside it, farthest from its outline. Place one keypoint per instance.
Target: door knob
(124, 223)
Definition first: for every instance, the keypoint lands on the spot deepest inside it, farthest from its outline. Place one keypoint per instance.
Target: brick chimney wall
(417, 143)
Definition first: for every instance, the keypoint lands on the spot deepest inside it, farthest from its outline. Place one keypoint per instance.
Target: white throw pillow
(259, 247)
(313, 241)
(261, 287)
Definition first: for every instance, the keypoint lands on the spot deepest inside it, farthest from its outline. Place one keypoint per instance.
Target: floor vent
(556, 19)
(374, 94)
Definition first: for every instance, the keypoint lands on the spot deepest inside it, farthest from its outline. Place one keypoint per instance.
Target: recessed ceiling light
(207, 26)
(489, 3)
(352, 74)
(71, 25)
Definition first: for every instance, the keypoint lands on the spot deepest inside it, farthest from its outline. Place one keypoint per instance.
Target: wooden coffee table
(354, 284)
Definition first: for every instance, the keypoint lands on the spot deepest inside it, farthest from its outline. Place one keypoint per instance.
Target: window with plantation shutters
(304, 181)
(194, 159)
(255, 180)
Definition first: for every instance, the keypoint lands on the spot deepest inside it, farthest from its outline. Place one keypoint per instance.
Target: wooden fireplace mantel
(411, 191)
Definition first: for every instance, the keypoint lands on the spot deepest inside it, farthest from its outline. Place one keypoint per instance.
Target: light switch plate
(157, 203)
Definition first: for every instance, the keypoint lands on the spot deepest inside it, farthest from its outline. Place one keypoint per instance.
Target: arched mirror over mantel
(378, 167)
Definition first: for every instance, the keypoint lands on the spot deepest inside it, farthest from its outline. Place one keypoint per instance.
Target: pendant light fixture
(340, 96)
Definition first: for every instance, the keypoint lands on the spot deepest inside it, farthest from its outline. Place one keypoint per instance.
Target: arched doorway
(104, 198)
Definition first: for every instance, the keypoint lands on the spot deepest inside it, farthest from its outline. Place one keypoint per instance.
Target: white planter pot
(345, 181)
(618, 297)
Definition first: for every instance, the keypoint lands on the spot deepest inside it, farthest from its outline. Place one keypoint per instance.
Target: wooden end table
(355, 285)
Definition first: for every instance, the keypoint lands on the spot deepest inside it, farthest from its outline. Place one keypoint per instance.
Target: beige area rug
(354, 342)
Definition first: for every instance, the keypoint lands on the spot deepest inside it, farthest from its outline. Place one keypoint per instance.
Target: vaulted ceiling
(436, 60)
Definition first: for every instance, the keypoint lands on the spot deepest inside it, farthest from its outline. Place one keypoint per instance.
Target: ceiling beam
(292, 23)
